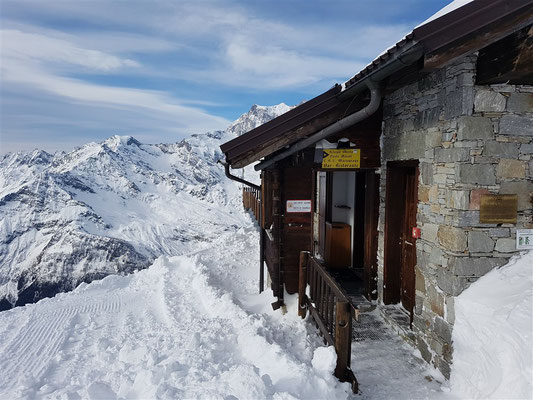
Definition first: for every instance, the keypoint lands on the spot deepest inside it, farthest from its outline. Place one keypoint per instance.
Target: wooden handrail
(331, 310)
(339, 291)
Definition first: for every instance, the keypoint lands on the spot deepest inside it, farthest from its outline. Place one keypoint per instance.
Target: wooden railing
(331, 310)
(251, 200)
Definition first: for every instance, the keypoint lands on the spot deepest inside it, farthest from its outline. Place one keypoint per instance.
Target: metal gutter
(236, 178)
(262, 231)
(410, 53)
(403, 55)
(338, 126)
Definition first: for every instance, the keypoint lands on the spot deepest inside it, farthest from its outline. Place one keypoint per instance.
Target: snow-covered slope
(188, 327)
(110, 207)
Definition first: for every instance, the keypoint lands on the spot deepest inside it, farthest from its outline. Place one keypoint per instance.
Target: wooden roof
(270, 136)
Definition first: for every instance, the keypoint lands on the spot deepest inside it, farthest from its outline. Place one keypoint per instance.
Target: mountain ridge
(110, 207)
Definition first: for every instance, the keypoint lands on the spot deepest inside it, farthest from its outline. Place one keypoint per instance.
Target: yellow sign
(341, 158)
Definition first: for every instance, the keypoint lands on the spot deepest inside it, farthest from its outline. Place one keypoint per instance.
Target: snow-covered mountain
(111, 207)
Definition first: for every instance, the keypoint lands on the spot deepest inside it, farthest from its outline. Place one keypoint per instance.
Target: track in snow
(33, 347)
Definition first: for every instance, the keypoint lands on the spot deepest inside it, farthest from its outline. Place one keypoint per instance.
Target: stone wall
(469, 140)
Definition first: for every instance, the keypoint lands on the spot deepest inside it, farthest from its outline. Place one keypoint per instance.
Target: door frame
(396, 230)
(368, 219)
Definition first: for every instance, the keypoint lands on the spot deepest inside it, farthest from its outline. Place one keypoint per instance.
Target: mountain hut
(405, 184)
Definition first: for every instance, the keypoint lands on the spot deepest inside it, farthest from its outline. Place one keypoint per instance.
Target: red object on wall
(416, 233)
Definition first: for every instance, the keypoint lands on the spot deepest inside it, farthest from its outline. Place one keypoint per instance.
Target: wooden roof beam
(478, 39)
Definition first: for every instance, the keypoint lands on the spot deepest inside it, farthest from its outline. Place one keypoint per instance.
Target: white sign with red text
(298, 206)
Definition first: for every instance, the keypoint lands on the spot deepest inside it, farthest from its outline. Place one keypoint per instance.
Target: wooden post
(252, 201)
(261, 260)
(302, 284)
(343, 339)
(261, 241)
(276, 230)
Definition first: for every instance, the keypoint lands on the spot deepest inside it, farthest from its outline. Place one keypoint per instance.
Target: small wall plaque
(524, 239)
(498, 209)
(298, 206)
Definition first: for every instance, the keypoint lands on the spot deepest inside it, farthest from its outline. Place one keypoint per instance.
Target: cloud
(274, 67)
(23, 47)
(170, 67)
(34, 62)
(222, 34)
(254, 52)
(50, 122)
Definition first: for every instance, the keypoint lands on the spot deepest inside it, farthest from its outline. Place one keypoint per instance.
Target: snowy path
(172, 331)
(187, 327)
(387, 366)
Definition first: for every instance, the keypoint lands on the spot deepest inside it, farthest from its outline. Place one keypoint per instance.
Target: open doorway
(400, 247)
(345, 228)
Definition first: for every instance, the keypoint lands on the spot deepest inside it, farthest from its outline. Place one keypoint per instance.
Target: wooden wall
(296, 227)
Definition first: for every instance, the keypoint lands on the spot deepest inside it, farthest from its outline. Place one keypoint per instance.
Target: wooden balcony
(251, 200)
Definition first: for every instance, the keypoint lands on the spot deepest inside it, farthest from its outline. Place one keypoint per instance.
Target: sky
(73, 72)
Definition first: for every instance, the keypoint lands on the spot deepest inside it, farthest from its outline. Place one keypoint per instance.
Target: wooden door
(400, 248)
(408, 243)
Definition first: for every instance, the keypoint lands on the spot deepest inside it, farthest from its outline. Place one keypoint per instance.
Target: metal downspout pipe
(261, 230)
(236, 178)
(352, 119)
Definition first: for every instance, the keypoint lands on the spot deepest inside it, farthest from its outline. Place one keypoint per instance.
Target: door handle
(406, 242)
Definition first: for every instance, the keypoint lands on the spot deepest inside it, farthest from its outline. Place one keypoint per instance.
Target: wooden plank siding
(271, 223)
(296, 184)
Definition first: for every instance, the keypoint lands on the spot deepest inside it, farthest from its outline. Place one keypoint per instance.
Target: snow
(324, 360)
(190, 326)
(454, 5)
(493, 334)
(443, 11)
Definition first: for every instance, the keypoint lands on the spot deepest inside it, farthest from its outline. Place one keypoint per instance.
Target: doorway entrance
(400, 248)
(345, 228)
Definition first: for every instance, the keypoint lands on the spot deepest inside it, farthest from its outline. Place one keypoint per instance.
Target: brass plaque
(498, 209)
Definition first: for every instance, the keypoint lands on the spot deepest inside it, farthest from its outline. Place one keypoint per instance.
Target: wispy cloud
(258, 53)
(36, 62)
(30, 48)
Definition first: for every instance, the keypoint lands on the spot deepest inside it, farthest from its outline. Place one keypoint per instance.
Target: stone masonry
(470, 140)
